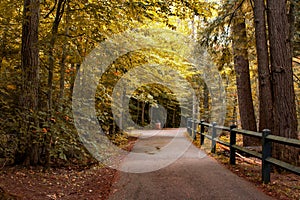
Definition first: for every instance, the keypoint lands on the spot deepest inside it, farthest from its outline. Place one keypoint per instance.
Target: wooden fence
(195, 127)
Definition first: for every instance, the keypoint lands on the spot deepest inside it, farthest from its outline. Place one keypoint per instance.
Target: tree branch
(233, 13)
(72, 36)
(51, 11)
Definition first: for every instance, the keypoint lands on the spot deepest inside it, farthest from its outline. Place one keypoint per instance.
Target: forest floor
(64, 183)
(94, 182)
(283, 186)
(69, 183)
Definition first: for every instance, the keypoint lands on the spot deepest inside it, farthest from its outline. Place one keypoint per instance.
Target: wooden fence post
(195, 125)
(213, 136)
(232, 142)
(266, 153)
(189, 125)
(201, 133)
(192, 127)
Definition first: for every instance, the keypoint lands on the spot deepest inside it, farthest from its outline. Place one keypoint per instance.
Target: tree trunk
(3, 47)
(123, 96)
(292, 19)
(265, 91)
(57, 19)
(63, 58)
(137, 112)
(58, 16)
(74, 74)
(195, 108)
(1, 62)
(206, 103)
(143, 113)
(174, 118)
(284, 107)
(234, 110)
(29, 146)
(62, 75)
(241, 65)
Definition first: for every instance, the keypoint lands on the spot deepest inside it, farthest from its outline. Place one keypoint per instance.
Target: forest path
(191, 175)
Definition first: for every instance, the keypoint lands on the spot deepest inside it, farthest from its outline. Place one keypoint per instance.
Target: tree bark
(137, 112)
(206, 103)
(143, 113)
(54, 31)
(241, 65)
(284, 107)
(29, 147)
(3, 47)
(264, 75)
(63, 58)
(57, 19)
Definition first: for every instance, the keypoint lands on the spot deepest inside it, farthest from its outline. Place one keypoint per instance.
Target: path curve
(193, 176)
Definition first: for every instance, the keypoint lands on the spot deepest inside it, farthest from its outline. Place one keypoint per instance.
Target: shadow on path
(170, 167)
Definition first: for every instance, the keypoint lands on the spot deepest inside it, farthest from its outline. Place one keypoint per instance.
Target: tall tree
(241, 65)
(284, 108)
(64, 55)
(265, 90)
(29, 150)
(58, 16)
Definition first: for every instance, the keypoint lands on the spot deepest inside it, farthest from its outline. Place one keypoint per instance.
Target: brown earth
(35, 183)
(283, 185)
(90, 183)
(95, 182)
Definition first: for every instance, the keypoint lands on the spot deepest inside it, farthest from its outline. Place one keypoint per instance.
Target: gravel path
(163, 166)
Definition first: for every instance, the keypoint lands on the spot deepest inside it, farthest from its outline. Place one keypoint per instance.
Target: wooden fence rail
(195, 127)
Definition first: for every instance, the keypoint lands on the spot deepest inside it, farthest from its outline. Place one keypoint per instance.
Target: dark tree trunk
(234, 111)
(57, 19)
(54, 31)
(174, 118)
(143, 113)
(29, 147)
(74, 74)
(137, 112)
(292, 20)
(1, 61)
(72, 79)
(63, 58)
(241, 65)
(265, 90)
(284, 107)
(206, 103)
(62, 75)
(3, 47)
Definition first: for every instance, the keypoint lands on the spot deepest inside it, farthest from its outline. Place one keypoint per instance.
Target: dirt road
(164, 167)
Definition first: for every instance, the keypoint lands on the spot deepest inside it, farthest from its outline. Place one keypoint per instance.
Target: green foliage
(83, 25)
(120, 140)
(65, 144)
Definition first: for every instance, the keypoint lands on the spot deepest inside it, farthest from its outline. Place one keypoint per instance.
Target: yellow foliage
(11, 87)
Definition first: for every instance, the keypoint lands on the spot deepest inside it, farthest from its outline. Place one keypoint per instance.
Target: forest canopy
(250, 48)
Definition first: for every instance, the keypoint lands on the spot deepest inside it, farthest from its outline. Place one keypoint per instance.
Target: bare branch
(51, 11)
